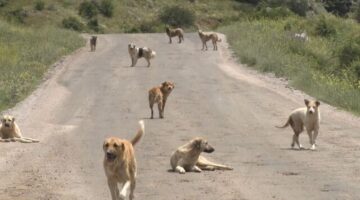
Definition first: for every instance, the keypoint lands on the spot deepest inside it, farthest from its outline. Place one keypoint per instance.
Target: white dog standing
(136, 53)
(309, 117)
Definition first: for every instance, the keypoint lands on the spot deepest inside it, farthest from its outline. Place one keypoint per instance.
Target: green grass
(26, 55)
(128, 16)
(312, 66)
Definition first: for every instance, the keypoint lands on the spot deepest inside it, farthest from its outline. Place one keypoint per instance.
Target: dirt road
(92, 95)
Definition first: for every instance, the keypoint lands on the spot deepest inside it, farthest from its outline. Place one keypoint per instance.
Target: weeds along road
(93, 95)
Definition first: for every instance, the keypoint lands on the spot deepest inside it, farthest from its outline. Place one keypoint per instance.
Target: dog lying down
(187, 157)
(10, 131)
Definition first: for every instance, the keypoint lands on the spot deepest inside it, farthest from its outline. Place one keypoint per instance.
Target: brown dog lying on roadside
(10, 131)
(159, 95)
(187, 157)
(120, 164)
(209, 36)
(175, 32)
(93, 43)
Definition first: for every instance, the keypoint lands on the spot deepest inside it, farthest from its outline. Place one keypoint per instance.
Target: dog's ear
(2, 119)
(163, 84)
(306, 102)
(317, 103)
(13, 119)
(197, 144)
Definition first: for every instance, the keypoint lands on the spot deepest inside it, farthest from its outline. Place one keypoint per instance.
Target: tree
(338, 7)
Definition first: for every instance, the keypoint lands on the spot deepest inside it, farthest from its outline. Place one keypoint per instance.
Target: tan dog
(120, 164)
(175, 32)
(136, 53)
(209, 36)
(308, 117)
(159, 95)
(93, 43)
(187, 157)
(10, 131)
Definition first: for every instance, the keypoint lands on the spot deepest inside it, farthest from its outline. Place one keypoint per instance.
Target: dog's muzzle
(7, 125)
(110, 156)
(209, 150)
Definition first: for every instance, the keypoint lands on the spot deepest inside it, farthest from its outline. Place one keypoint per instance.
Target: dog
(10, 131)
(159, 95)
(301, 36)
(136, 53)
(208, 36)
(308, 117)
(187, 157)
(93, 43)
(120, 164)
(175, 32)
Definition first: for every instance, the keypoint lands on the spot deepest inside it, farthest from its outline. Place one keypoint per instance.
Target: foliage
(338, 7)
(39, 5)
(72, 23)
(107, 8)
(88, 9)
(177, 16)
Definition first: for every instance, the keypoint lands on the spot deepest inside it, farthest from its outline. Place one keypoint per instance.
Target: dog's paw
(122, 196)
(182, 171)
(313, 147)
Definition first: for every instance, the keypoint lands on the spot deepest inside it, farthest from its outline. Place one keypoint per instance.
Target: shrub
(88, 9)
(18, 14)
(338, 7)
(39, 5)
(93, 24)
(254, 2)
(350, 52)
(72, 23)
(300, 7)
(177, 16)
(324, 27)
(3, 3)
(357, 13)
(107, 8)
(274, 13)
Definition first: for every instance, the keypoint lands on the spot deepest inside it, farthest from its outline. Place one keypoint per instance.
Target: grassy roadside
(314, 67)
(26, 54)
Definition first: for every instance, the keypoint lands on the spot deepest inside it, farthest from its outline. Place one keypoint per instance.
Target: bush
(324, 27)
(254, 2)
(107, 8)
(88, 9)
(274, 13)
(338, 7)
(72, 23)
(93, 24)
(19, 15)
(300, 7)
(3, 3)
(39, 5)
(350, 52)
(177, 16)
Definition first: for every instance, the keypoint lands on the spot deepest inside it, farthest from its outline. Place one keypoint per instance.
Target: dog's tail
(288, 122)
(203, 162)
(153, 54)
(219, 40)
(139, 134)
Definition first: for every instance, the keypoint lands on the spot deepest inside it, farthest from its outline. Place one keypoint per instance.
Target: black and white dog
(136, 53)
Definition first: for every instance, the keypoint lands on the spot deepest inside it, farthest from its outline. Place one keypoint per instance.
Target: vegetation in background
(327, 66)
(23, 63)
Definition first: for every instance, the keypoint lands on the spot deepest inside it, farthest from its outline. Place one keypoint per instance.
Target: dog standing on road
(187, 157)
(136, 53)
(120, 164)
(209, 36)
(10, 131)
(175, 32)
(93, 43)
(159, 95)
(309, 117)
